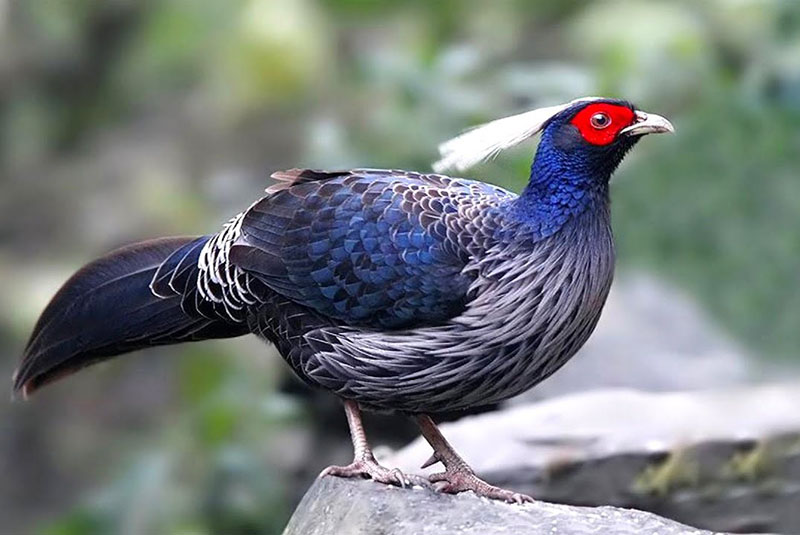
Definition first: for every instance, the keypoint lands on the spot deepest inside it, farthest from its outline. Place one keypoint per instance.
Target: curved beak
(648, 123)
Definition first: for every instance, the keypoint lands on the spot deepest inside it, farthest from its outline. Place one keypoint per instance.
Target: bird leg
(458, 476)
(364, 464)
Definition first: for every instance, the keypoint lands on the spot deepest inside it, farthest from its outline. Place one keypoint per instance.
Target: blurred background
(122, 120)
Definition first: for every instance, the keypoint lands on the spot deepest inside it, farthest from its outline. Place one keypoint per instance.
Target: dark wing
(367, 247)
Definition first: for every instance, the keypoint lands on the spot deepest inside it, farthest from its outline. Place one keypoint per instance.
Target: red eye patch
(600, 123)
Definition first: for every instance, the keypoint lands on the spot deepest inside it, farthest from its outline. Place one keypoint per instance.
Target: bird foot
(462, 480)
(369, 468)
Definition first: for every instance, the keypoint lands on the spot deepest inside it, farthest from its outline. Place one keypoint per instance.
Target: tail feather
(108, 308)
(177, 276)
(172, 276)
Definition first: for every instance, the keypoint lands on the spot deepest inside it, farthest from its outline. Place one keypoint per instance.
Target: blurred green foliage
(255, 84)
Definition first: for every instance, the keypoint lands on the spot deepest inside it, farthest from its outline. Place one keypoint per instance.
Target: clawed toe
(349, 471)
(454, 482)
(458, 476)
(369, 469)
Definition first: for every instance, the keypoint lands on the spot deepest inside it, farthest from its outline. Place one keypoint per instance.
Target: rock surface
(725, 460)
(334, 506)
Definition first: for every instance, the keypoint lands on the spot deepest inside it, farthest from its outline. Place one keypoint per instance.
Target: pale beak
(648, 123)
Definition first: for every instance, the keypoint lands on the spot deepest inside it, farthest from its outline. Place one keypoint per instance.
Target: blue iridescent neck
(563, 184)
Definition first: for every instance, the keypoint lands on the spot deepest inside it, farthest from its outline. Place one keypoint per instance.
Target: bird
(396, 291)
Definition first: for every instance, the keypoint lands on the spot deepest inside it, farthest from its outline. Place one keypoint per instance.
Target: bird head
(589, 138)
(586, 135)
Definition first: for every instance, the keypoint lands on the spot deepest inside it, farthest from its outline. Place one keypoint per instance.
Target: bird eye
(600, 121)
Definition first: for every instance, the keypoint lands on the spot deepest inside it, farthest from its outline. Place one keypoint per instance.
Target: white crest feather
(486, 141)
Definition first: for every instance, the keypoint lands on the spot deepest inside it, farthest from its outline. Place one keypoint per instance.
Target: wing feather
(368, 247)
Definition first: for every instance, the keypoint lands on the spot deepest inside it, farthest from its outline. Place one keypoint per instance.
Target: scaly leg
(458, 476)
(364, 463)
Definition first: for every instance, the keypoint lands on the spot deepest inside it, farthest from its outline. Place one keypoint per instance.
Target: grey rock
(726, 460)
(334, 506)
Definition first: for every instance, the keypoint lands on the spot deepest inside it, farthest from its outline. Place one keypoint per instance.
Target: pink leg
(458, 476)
(364, 464)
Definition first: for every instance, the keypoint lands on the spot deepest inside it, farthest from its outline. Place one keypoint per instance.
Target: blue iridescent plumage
(368, 247)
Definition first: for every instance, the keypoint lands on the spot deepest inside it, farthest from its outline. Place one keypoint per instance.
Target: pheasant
(394, 290)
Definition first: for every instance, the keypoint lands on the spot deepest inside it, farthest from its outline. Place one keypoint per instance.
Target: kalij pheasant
(394, 290)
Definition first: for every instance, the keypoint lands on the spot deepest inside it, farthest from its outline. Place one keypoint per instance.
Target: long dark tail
(108, 308)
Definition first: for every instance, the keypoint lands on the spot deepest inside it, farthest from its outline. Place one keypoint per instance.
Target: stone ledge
(335, 506)
(726, 460)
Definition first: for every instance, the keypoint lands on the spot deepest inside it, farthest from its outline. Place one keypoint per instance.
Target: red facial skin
(619, 117)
